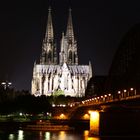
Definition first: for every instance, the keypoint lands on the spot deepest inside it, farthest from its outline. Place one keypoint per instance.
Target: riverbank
(76, 124)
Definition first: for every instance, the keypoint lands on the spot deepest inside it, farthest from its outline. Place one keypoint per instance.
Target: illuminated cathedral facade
(61, 75)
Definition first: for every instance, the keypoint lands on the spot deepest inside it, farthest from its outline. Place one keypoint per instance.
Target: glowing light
(94, 122)
(86, 117)
(47, 136)
(20, 113)
(131, 89)
(40, 135)
(94, 115)
(86, 136)
(62, 116)
(119, 92)
(3, 83)
(20, 135)
(125, 90)
(11, 136)
(86, 132)
(10, 83)
(92, 138)
(62, 135)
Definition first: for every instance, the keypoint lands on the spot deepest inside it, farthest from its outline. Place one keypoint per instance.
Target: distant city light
(3, 83)
(6, 84)
(20, 114)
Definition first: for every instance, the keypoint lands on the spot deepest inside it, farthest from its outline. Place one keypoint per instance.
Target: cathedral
(61, 75)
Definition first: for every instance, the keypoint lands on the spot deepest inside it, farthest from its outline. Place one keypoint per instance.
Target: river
(59, 135)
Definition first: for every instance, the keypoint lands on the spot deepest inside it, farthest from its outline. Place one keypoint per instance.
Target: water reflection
(20, 135)
(11, 137)
(91, 138)
(60, 135)
(86, 136)
(47, 136)
(40, 135)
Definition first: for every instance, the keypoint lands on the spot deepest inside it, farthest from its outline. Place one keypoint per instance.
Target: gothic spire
(49, 30)
(69, 31)
(48, 47)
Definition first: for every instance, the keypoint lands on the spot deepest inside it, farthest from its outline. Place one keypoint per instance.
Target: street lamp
(119, 96)
(124, 92)
(119, 92)
(131, 89)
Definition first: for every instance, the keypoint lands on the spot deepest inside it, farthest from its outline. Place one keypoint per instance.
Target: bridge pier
(94, 123)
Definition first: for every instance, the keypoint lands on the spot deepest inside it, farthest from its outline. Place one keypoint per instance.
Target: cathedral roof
(74, 69)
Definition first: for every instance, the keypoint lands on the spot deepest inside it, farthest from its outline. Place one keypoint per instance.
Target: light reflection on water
(47, 136)
(20, 135)
(58, 135)
(86, 136)
(41, 135)
(11, 136)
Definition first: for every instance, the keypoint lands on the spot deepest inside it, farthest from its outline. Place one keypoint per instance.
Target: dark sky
(98, 25)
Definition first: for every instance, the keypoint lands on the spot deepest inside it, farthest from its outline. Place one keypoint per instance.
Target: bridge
(125, 95)
(90, 109)
(101, 102)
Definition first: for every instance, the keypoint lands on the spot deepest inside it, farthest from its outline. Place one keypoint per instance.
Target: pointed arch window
(49, 56)
(70, 56)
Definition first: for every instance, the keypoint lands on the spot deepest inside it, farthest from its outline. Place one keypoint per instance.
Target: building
(65, 77)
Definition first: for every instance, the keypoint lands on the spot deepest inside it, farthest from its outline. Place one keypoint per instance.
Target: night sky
(98, 25)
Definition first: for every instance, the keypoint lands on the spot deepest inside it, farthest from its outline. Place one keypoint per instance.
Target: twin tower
(53, 76)
(68, 51)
